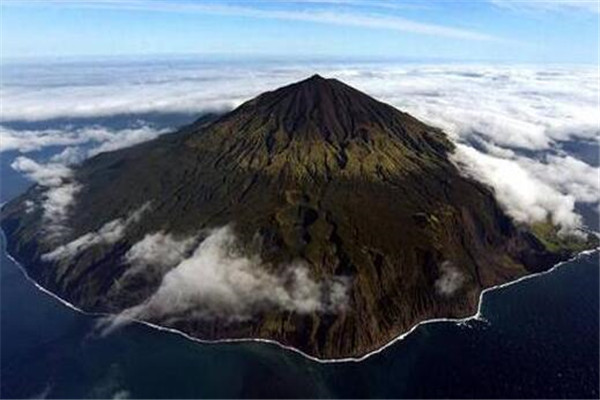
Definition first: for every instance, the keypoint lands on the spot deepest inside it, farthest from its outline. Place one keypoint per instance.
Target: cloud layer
(517, 106)
(516, 114)
(111, 232)
(58, 196)
(160, 249)
(526, 197)
(101, 139)
(217, 280)
(548, 5)
(323, 13)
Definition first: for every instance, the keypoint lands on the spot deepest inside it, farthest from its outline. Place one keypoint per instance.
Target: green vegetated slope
(315, 171)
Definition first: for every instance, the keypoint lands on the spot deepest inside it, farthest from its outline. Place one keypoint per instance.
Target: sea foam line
(458, 321)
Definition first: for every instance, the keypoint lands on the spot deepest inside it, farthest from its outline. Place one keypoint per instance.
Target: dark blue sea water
(540, 339)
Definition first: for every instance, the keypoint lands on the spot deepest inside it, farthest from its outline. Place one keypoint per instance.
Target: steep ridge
(315, 173)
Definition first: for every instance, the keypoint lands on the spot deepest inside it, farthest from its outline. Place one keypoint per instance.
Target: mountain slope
(316, 174)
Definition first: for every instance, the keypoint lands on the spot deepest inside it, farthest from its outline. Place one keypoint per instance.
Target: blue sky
(559, 31)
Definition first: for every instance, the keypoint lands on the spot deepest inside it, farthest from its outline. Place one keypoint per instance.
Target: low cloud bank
(49, 175)
(511, 106)
(111, 232)
(521, 106)
(57, 198)
(102, 139)
(218, 281)
(526, 196)
(158, 253)
(73, 91)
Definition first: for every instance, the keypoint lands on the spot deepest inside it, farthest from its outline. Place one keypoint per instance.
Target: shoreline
(457, 321)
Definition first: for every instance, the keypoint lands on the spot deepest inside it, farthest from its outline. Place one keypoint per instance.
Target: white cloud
(51, 174)
(30, 140)
(140, 88)
(450, 279)
(59, 195)
(504, 108)
(157, 253)
(57, 176)
(527, 198)
(111, 232)
(323, 15)
(218, 281)
(567, 174)
(526, 106)
(69, 156)
(589, 6)
(103, 139)
(29, 206)
(375, 21)
(160, 249)
(111, 141)
(56, 204)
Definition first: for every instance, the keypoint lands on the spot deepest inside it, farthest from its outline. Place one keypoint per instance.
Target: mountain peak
(317, 80)
(315, 84)
(321, 127)
(318, 107)
(315, 77)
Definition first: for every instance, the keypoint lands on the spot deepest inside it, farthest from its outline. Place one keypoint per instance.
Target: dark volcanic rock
(315, 171)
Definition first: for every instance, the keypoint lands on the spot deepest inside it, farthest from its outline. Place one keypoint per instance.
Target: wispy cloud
(308, 12)
(156, 254)
(104, 139)
(527, 198)
(218, 281)
(588, 6)
(58, 196)
(49, 175)
(450, 279)
(111, 232)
